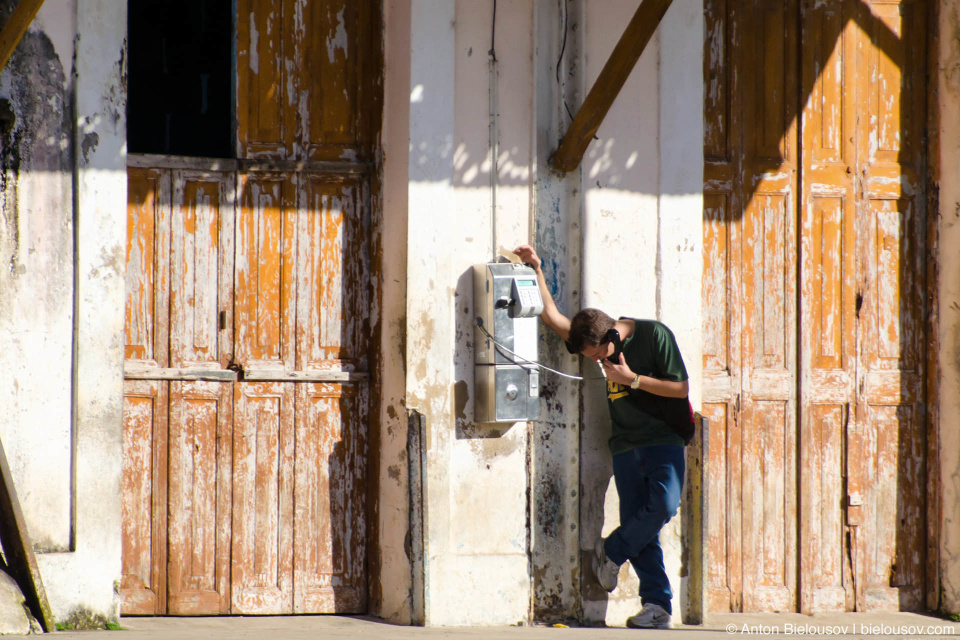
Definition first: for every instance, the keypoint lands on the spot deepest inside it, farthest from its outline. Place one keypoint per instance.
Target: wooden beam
(611, 79)
(15, 27)
(18, 551)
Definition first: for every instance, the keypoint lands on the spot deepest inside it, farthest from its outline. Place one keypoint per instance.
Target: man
(646, 381)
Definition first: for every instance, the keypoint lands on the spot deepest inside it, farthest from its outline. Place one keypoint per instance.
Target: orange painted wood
(828, 270)
(16, 26)
(333, 260)
(891, 103)
(769, 314)
(608, 84)
(263, 483)
(722, 298)
(265, 115)
(266, 272)
(265, 311)
(147, 267)
(201, 260)
(143, 581)
(330, 532)
(849, 239)
(199, 517)
(307, 79)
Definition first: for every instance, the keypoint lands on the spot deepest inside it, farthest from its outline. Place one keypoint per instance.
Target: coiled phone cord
(526, 362)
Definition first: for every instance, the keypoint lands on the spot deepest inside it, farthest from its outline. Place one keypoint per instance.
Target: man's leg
(649, 481)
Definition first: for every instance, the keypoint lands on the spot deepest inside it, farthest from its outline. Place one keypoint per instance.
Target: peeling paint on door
(842, 223)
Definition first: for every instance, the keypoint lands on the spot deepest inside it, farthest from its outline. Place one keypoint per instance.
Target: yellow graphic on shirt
(615, 390)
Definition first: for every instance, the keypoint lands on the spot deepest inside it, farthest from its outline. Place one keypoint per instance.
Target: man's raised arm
(551, 316)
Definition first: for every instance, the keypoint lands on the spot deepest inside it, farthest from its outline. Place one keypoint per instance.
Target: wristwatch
(636, 382)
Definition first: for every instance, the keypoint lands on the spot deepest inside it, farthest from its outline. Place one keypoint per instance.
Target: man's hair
(588, 328)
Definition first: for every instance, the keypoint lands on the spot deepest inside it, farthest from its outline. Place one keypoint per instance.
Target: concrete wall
(61, 324)
(642, 229)
(396, 548)
(622, 234)
(469, 196)
(948, 104)
(36, 279)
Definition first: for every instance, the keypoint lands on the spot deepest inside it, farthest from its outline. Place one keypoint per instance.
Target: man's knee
(663, 506)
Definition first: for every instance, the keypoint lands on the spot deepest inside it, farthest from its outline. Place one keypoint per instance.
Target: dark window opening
(180, 77)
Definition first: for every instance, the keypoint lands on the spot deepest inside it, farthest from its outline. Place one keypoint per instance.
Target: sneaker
(651, 616)
(604, 568)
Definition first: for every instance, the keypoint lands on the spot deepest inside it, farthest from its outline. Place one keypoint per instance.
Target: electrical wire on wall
(494, 107)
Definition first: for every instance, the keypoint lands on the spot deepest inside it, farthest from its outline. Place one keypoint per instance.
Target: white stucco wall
(84, 580)
(61, 323)
(476, 485)
(642, 182)
(948, 85)
(36, 283)
(623, 234)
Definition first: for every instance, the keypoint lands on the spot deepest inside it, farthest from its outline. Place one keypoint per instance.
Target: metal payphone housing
(507, 301)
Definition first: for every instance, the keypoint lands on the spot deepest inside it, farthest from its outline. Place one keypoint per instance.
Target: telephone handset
(614, 336)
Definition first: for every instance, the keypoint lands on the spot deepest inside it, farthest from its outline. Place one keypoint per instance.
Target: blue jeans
(649, 481)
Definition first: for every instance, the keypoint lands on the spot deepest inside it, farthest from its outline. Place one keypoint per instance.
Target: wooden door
(244, 483)
(248, 332)
(828, 249)
(814, 227)
(768, 273)
(888, 445)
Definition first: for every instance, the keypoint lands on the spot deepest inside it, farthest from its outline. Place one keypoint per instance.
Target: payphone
(507, 302)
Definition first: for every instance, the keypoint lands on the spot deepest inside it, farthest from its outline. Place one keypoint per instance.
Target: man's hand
(619, 372)
(528, 255)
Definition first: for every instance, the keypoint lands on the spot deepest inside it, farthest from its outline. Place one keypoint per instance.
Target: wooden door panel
(144, 559)
(199, 498)
(892, 539)
(823, 546)
(329, 548)
(332, 266)
(147, 267)
(266, 93)
(769, 88)
(263, 464)
(721, 382)
(858, 263)
(332, 88)
(265, 271)
(769, 517)
(201, 259)
(723, 571)
(768, 285)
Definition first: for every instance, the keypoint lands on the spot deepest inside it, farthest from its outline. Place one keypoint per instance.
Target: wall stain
(89, 143)
(461, 394)
(394, 472)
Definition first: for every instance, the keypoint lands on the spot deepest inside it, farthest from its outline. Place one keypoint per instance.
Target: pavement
(718, 626)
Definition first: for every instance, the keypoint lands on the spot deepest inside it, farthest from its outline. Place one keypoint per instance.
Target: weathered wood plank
(143, 582)
(263, 484)
(608, 84)
(18, 551)
(200, 479)
(165, 373)
(330, 531)
(333, 375)
(15, 27)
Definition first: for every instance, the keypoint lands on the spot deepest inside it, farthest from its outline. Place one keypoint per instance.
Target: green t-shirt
(651, 350)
